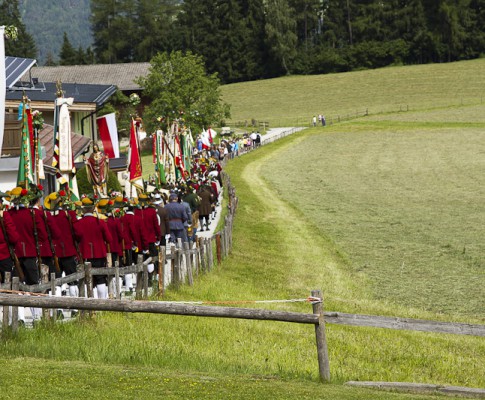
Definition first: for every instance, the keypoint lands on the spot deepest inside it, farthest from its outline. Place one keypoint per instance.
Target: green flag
(25, 173)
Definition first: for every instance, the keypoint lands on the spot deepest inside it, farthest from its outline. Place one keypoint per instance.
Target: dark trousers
(6, 265)
(98, 263)
(30, 268)
(68, 266)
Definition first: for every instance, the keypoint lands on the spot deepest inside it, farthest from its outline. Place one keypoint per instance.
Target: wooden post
(82, 285)
(197, 258)
(210, 258)
(188, 262)
(89, 280)
(322, 349)
(15, 309)
(44, 277)
(6, 308)
(145, 281)
(218, 248)
(117, 282)
(139, 277)
(173, 252)
(202, 254)
(53, 293)
(161, 270)
(223, 243)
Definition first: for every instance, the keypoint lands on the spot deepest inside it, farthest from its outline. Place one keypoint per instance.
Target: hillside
(293, 100)
(47, 21)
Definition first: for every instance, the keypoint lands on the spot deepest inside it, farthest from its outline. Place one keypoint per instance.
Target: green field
(404, 204)
(383, 213)
(294, 100)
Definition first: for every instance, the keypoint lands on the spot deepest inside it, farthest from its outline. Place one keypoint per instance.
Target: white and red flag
(108, 132)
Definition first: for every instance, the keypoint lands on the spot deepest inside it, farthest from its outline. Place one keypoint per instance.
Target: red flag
(134, 159)
(108, 132)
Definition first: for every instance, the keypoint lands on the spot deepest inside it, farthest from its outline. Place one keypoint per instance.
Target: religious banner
(25, 174)
(134, 159)
(3, 86)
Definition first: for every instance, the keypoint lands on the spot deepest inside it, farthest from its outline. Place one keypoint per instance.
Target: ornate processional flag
(25, 173)
(3, 85)
(134, 158)
(159, 159)
(63, 157)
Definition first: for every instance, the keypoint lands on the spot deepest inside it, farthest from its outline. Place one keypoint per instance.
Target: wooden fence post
(44, 278)
(210, 256)
(6, 308)
(218, 248)
(322, 349)
(15, 309)
(188, 262)
(223, 244)
(139, 277)
(53, 293)
(145, 281)
(117, 282)
(202, 254)
(161, 270)
(89, 280)
(82, 285)
(173, 252)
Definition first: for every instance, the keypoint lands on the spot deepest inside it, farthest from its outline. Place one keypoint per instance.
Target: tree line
(244, 40)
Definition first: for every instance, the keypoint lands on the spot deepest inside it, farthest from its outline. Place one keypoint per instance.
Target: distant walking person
(314, 120)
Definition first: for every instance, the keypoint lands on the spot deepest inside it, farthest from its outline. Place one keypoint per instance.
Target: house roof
(82, 93)
(120, 75)
(46, 136)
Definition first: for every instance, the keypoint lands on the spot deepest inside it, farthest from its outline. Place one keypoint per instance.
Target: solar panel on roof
(15, 68)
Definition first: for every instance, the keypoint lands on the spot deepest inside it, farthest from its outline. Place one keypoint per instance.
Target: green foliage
(24, 44)
(179, 87)
(86, 188)
(47, 20)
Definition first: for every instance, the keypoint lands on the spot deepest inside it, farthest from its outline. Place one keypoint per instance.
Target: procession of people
(61, 232)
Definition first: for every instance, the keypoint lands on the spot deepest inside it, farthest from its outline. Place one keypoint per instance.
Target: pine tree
(68, 55)
(24, 46)
(114, 30)
(280, 33)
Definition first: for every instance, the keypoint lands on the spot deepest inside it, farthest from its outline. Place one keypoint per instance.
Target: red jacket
(149, 224)
(50, 238)
(23, 221)
(64, 244)
(92, 235)
(137, 235)
(12, 234)
(114, 227)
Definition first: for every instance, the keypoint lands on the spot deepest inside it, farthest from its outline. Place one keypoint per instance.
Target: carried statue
(97, 171)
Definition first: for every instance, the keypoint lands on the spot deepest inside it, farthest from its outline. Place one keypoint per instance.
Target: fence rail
(183, 263)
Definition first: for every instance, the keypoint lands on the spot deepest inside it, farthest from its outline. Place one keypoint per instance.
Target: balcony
(12, 136)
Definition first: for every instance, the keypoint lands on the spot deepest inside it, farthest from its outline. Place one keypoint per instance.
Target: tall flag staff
(134, 166)
(63, 157)
(25, 174)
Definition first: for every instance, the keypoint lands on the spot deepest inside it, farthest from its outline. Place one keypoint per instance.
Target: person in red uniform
(105, 206)
(132, 236)
(8, 237)
(60, 215)
(27, 247)
(151, 231)
(93, 235)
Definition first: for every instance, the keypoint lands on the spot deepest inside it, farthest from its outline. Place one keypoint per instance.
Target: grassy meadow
(383, 213)
(293, 100)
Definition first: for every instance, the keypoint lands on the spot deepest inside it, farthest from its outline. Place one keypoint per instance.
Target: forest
(243, 40)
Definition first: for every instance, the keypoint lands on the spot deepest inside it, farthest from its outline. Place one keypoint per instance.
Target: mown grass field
(382, 214)
(294, 100)
(404, 204)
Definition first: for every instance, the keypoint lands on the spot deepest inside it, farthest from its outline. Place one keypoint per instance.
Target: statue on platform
(97, 171)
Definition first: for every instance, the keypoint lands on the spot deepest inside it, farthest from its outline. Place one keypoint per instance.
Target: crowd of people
(62, 233)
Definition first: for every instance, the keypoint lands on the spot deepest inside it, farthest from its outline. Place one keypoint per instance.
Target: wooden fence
(183, 264)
